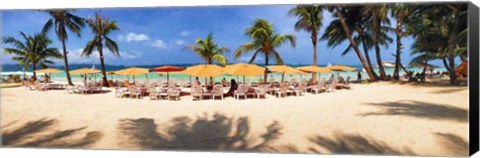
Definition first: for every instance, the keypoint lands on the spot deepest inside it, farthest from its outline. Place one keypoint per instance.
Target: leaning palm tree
(33, 50)
(101, 27)
(309, 19)
(265, 41)
(63, 20)
(208, 50)
(339, 11)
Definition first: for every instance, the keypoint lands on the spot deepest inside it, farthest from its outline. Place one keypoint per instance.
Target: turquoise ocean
(153, 76)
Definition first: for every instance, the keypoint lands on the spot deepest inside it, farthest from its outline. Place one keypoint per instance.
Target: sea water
(154, 77)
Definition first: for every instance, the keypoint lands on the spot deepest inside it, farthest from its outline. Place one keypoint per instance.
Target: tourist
(233, 88)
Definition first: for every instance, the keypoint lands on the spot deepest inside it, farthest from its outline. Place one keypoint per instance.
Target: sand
(377, 118)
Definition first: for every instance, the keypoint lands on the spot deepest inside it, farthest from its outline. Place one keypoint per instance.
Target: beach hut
(132, 71)
(243, 69)
(284, 69)
(167, 69)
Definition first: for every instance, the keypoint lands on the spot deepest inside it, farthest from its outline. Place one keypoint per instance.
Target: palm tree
(309, 19)
(34, 51)
(401, 13)
(101, 27)
(63, 20)
(265, 41)
(208, 50)
(379, 15)
(448, 22)
(358, 22)
(339, 11)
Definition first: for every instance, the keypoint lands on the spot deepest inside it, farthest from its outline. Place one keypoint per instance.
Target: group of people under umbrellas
(211, 70)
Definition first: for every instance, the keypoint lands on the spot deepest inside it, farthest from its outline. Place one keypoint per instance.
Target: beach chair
(261, 91)
(283, 91)
(320, 87)
(332, 86)
(162, 93)
(120, 92)
(196, 92)
(173, 93)
(39, 86)
(70, 89)
(217, 91)
(346, 85)
(241, 91)
(300, 89)
(152, 93)
(133, 90)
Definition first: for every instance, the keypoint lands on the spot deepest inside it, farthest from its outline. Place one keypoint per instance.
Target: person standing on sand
(359, 76)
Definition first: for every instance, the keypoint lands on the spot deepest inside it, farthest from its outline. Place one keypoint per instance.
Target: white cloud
(133, 37)
(179, 42)
(75, 57)
(160, 44)
(185, 33)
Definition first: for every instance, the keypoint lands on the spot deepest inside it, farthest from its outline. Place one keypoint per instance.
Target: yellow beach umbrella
(49, 70)
(243, 69)
(84, 71)
(314, 68)
(133, 71)
(284, 69)
(341, 68)
(204, 70)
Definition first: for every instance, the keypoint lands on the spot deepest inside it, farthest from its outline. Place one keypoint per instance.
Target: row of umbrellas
(212, 70)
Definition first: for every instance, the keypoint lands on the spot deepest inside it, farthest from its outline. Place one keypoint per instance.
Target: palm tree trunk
(65, 60)
(424, 69)
(34, 69)
(451, 46)
(376, 31)
(445, 63)
(365, 49)
(354, 44)
(102, 65)
(398, 32)
(314, 42)
(266, 70)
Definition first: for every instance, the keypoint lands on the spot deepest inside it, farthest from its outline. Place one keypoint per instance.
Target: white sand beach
(377, 118)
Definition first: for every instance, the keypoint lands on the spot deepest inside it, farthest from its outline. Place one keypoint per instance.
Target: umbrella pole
(190, 79)
(168, 78)
(244, 79)
(146, 76)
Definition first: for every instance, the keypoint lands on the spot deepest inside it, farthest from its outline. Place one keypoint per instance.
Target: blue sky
(157, 36)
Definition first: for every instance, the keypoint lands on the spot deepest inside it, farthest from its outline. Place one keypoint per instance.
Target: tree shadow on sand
(219, 133)
(342, 143)
(421, 110)
(452, 143)
(38, 134)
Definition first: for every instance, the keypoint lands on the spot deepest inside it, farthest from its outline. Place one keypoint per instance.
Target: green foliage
(265, 41)
(208, 50)
(32, 51)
